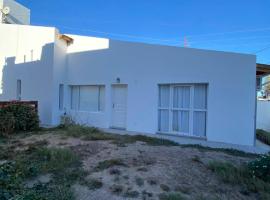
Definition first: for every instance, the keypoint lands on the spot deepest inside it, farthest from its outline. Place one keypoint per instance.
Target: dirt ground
(146, 171)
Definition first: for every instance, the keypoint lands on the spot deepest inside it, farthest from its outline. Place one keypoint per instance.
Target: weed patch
(171, 196)
(63, 164)
(93, 184)
(109, 163)
(232, 152)
(139, 181)
(240, 176)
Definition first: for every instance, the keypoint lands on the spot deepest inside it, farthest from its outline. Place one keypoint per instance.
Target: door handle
(113, 105)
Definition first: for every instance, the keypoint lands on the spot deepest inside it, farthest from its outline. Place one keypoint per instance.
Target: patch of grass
(109, 163)
(232, 152)
(142, 169)
(152, 181)
(146, 195)
(263, 136)
(183, 189)
(128, 139)
(48, 192)
(93, 184)
(87, 133)
(63, 164)
(92, 133)
(53, 159)
(139, 181)
(115, 171)
(226, 171)
(171, 196)
(117, 189)
(241, 176)
(197, 159)
(131, 194)
(165, 188)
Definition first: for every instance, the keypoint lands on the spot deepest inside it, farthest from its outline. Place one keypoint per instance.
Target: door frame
(111, 104)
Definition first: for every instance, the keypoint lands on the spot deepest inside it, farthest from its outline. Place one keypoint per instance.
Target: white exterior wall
(231, 79)
(35, 70)
(263, 115)
(18, 13)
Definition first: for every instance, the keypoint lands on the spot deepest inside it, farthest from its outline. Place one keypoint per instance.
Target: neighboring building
(133, 86)
(12, 12)
(263, 100)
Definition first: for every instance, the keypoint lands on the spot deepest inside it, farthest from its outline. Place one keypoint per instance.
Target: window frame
(61, 97)
(78, 109)
(191, 110)
(19, 90)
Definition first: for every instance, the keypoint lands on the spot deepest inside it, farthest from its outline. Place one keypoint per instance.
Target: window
(61, 97)
(182, 109)
(88, 98)
(19, 90)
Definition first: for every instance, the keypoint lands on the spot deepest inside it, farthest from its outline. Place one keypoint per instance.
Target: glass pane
(75, 93)
(61, 97)
(181, 97)
(163, 120)
(199, 124)
(101, 98)
(89, 96)
(181, 121)
(200, 96)
(164, 96)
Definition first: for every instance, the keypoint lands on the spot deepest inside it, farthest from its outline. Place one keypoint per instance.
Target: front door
(119, 106)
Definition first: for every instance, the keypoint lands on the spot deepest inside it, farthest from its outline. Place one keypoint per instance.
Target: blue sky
(226, 25)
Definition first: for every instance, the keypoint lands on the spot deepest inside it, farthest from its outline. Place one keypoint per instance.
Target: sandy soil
(148, 171)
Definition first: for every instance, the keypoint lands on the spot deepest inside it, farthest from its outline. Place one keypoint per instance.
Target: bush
(7, 123)
(260, 168)
(18, 117)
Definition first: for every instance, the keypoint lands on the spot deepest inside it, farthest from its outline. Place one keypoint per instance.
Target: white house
(133, 86)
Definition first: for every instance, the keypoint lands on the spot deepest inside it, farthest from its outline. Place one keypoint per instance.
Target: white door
(119, 106)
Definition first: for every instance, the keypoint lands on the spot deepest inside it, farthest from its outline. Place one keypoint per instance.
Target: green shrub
(7, 123)
(260, 168)
(18, 117)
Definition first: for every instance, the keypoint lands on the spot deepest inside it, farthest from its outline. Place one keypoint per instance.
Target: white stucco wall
(27, 53)
(263, 115)
(231, 79)
(95, 61)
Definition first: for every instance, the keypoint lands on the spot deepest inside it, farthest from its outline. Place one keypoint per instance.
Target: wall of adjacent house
(230, 77)
(18, 13)
(263, 115)
(26, 54)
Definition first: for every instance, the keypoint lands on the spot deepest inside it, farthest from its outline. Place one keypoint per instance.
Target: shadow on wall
(39, 79)
(35, 79)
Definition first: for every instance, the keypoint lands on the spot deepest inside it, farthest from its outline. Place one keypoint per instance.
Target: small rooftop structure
(66, 38)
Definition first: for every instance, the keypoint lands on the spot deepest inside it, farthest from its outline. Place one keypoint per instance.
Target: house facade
(132, 86)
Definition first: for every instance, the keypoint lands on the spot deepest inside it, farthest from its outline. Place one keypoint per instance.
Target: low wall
(34, 104)
(263, 115)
